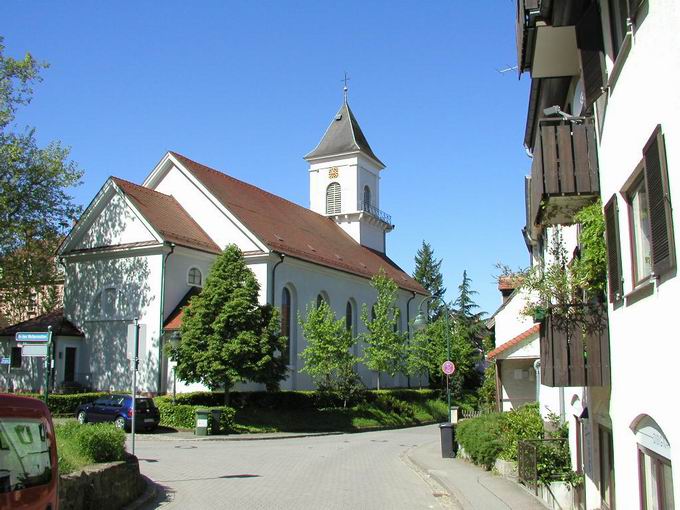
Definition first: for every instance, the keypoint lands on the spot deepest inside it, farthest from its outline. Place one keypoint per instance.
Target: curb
(443, 494)
(148, 495)
(237, 437)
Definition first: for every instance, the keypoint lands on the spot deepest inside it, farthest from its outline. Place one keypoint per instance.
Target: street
(365, 470)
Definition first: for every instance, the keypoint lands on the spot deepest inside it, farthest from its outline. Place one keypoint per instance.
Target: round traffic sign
(448, 367)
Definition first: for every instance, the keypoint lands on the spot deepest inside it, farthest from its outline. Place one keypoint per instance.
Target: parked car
(29, 471)
(118, 409)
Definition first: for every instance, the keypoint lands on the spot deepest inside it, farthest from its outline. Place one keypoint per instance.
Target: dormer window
(195, 278)
(333, 198)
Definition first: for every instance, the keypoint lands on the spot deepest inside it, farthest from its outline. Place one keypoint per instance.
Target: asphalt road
(349, 471)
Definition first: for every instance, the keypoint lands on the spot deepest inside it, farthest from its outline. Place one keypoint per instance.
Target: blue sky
(250, 87)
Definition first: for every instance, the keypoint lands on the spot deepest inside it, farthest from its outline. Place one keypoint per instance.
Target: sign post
(38, 345)
(448, 368)
(47, 363)
(135, 366)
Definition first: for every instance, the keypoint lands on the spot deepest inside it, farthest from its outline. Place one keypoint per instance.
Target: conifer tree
(428, 274)
(226, 335)
(385, 345)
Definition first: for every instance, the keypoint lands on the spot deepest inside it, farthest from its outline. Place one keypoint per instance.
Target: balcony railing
(374, 211)
(575, 346)
(564, 172)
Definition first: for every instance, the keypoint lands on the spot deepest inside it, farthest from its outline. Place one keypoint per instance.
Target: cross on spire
(345, 88)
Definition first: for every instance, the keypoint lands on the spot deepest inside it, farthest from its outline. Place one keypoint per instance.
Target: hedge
(66, 404)
(481, 438)
(183, 416)
(292, 400)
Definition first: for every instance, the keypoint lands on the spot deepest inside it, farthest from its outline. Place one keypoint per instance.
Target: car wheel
(120, 422)
(82, 417)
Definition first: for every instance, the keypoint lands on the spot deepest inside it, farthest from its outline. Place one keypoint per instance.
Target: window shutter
(634, 7)
(591, 51)
(333, 204)
(658, 197)
(613, 250)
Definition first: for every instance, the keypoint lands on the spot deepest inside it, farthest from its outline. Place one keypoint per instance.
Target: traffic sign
(141, 349)
(448, 367)
(40, 337)
(34, 350)
(5, 361)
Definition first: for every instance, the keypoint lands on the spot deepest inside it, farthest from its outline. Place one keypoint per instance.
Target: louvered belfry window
(333, 198)
(615, 277)
(659, 203)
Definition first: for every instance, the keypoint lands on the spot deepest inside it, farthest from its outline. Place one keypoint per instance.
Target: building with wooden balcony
(603, 120)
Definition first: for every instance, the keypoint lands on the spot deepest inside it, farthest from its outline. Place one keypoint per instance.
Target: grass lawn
(81, 445)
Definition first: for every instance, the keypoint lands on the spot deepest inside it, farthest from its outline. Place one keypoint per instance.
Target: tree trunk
(378, 378)
(226, 391)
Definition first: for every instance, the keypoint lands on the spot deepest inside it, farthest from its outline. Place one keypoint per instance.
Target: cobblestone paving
(349, 471)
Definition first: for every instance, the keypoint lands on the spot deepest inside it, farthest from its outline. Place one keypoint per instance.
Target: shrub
(79, 445)
(101, 442)
(391, 404)
(481, 438)
(520, 424)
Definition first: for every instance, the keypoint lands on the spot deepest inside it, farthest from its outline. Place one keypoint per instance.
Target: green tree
(428, 274)
(385, 345)
(466, 317)
(35, 207)
(226, 335)
(328, 358)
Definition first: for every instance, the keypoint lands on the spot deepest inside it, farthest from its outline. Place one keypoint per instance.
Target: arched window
(195, 278)
(367, 198)
(654, 464)
(286, 321)
(349, 317)
(333, 199)
(321, 297)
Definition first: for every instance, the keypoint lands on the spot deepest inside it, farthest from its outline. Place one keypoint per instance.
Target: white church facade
(141, 251)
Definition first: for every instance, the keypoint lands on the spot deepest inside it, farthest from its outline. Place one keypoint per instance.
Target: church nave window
(333, 198)
(195, 278)
(286, 311)
(322, 297)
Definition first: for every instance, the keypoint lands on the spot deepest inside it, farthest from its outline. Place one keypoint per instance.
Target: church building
(142, 251)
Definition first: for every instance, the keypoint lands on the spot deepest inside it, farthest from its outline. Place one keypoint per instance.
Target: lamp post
(174, 343)
(420, 322)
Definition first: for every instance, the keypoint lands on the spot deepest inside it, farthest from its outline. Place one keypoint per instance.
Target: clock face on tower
(333, 173)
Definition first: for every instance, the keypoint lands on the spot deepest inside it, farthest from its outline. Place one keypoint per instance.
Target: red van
(28, 455)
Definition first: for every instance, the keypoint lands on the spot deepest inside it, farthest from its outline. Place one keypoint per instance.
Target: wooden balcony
(564, 172)
(576, 352)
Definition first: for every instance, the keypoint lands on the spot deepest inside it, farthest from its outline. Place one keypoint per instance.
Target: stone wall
(106, 486)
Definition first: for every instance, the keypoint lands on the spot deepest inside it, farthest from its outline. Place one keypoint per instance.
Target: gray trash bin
(215, 415)
(447, 431)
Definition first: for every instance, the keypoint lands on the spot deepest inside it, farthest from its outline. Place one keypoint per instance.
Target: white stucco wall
(116, 224)
(137, 283)
(643, 345)
(222, 229)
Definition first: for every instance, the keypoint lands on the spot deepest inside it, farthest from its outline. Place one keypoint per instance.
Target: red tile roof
(509, 282)
(174, 320)
(169, 218)
(55, 318)
(294, 230)
(511, 343)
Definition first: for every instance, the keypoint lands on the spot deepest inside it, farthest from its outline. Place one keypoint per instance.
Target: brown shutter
(591, 51)
(611, 218)
(659, 203)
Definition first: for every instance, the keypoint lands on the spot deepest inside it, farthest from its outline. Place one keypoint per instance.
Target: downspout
(408, 330)
(273, 291)
(162, 318)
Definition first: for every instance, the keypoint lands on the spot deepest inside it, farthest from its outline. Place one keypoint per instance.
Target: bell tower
(344, 181)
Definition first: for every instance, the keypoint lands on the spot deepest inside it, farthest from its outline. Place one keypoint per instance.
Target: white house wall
(221, 229)
(116, 224)
(137, 284)
(177, 272)
(510, 322)
(643, 337)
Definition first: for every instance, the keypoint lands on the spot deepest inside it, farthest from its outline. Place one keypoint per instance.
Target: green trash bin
(202, 422)
(215, 415)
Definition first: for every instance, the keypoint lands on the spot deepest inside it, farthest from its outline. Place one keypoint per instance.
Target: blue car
(118, 409)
